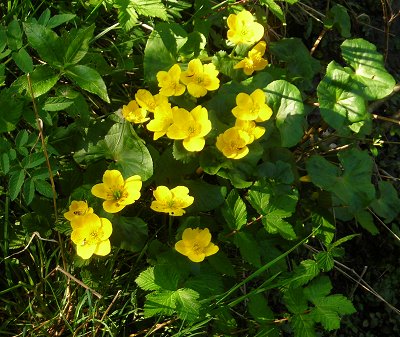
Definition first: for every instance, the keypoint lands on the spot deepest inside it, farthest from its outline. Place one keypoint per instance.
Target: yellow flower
(251, 128)
(196, 244)
(134, 113)
(252, 107)
(77, 209)
(149, 102)
(162, 120)
(243, 28)
(171, 201)
(200, 78)
(233, 143)
(116, 191)
(254, 60)
(169, 82)
(91, 235)
(191, 127)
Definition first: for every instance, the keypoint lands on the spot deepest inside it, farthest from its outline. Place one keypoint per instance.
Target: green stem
(170, 222)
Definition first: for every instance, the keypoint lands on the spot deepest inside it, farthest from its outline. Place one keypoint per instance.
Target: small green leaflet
(234, 211)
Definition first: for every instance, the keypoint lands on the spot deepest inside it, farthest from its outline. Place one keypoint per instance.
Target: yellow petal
(85, 251)
(112, 206)
(196, 90)
(190, 234)
(264, 114)
(106, 228)
(244, 100)
(113, 178)
(211, 249)
(162, 194)
(203, 238)
(102, 191)
(180, 247)
(103, 248)
(194, 144)
(258, 96)
(196, 257)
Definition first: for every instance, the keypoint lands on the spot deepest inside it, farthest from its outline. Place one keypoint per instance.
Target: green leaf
(206, 196)
(11, 103)
(59, 19)
(161, 51)
(303, 325)
(43, 187)
(234, 211)
(21, 139)
(387, 205)
(339, 18)
(275, 9)
(324, 260)
(286, 101)
(206, 284)
(259, 309)
(129, 233)
(369, 68)
(4, 163)
(14, 35)
(15, 183)
(43, 78)
(88, 79)
(160, 303)
(318, 288)
(351, 184)
(127, 16)
(78, 44)
(365, 219)
(44, 17)
(152, 8)
(33, 160)
(28, 191)
(279, 171)
(145, 280)
(300, 66)
(340, 99)
(57, 103)
(302, 274)
(222, 264)
(23, 60)
(45, 42)
(274, 224)
(295, 300)
(187, 306)
(248, 247)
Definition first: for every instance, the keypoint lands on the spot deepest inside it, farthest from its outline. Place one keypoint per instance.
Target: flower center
(117, 194)
(197, 248)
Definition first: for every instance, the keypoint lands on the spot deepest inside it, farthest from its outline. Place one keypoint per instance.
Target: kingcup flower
(191, 127)
(77, 209)
(233, 143)
(253, 61)
(196, 244)
(252, 107)
(244, 29)
(149, 102)
(169, 82)
(116, 191)
(91, 235)
(200, 78)
(162, 120)
(251, 128)
(134, 113)
(171, 201)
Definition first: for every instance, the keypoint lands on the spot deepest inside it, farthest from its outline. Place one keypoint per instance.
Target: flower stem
(170, 221)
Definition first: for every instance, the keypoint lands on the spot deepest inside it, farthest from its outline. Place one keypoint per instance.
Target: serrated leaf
(234, 211)
(152, 8)
(387, 205)
(324, 260)
(369, 68)
(45, 42)
(43, 78)
(57, 103)
(13, 105)
(187, 306)
(259, 309)
(303, 325)
(206, 284)
(127, 16)
(274, 224)
(145, 280)
(286, 101)
(275, 9)
(248, 247)
(23, 60)
(340, 99)
(161, 302)
(352, 185)
(129, 233)
(318, 288)
(88, 79)
(15, 183)
(14, 35)
(295, 300)
(43, 187)
(33, 160)
(78, 44)
(5, 163)
(22, 138)
(302, 274)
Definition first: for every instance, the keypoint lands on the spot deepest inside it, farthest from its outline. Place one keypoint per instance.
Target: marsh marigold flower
(149, 101)
(200, 78)
(169, 82)
(77, 209)
(116, 191)
(251, 128)
(252, 107)
(162, 120)
(233, 143)
(91, 235)
(134, 113)
(254, 60)
(196, 244)
(171, 201)
(243, 28)
(191, 127)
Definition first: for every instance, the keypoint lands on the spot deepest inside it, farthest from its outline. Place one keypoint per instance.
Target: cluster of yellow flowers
(91, 233)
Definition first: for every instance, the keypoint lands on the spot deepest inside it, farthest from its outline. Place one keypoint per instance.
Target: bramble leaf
(234, 211)
(388, 203)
